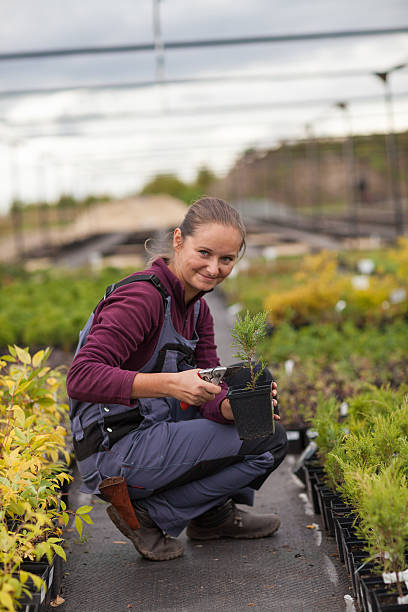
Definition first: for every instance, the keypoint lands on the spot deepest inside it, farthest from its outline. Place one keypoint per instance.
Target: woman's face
(203, 260)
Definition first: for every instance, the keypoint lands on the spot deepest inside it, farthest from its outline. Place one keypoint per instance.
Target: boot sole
(132, 536)
(219, 536)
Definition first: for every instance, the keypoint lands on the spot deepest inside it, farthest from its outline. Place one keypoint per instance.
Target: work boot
(149, 540)
(227, 521)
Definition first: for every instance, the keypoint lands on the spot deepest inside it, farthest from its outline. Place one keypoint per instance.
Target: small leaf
(84, 509)
(60, 551)
(79, 524)
(23, 576)
(19, 416)
(37, 358)
(43, 372)
(24, 356)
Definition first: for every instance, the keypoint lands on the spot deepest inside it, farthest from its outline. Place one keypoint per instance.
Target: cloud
(128, 124)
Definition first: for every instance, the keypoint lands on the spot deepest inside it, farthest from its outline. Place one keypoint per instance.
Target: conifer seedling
(247, 332)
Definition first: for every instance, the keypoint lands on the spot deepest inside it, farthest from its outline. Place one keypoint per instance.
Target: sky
(113, 140)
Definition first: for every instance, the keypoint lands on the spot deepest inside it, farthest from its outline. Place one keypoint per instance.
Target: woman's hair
(203, 211)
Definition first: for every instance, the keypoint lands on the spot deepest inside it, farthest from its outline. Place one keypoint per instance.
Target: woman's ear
(177, 239)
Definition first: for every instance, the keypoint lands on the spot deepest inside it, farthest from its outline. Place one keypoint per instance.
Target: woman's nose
(212, 267)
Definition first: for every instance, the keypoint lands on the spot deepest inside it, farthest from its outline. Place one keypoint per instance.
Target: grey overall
(177, 462)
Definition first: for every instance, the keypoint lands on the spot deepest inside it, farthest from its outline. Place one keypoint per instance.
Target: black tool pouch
(97, 437)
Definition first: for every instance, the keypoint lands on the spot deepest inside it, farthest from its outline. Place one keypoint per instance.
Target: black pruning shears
(215, 376)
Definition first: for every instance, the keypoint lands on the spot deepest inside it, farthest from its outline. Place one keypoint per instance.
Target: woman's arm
(185, 386)
(104, 368)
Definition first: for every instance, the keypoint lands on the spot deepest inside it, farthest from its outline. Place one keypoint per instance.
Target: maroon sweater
(124, 334)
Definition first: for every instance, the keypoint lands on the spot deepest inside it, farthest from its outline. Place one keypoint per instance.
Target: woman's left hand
(274, 394)
(226, 409)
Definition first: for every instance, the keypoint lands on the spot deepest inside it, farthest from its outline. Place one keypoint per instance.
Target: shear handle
(212, 375)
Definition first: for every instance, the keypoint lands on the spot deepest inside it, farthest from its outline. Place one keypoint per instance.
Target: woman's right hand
(191, 389)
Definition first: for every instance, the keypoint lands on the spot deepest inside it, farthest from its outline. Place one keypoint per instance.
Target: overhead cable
(188, 44)
(290, 76)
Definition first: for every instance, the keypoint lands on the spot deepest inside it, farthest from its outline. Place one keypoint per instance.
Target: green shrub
(383, 511)
(49, 308)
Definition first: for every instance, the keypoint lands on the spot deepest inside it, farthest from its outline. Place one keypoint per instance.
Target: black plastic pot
(295, 441)
(340, 523)
(313, 470)
(325, 497)
(253, 411)
(369, 584)
(299, 469)
(39, 600)
(351, 547)
(359, 567)
(52, 575)
(386, 600)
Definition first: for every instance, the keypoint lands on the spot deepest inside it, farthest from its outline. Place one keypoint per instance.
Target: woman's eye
(203, 252)
(227, 259)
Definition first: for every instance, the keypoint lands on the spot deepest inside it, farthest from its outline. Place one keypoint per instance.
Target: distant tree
(67, 201)
(174, 186)
(204, 178)
(164, 183)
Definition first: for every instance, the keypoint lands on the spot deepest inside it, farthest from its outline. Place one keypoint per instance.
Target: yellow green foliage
(33, 458)
(327, 293)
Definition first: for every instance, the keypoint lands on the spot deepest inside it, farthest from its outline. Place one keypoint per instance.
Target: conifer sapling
(247, 332)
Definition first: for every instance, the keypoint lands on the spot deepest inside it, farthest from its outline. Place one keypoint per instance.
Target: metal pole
(290, 177)
(350, 168)
(158, 42)
(392, 151)
(43, 210)
(314, 183)
(16, 204)
(393, 160)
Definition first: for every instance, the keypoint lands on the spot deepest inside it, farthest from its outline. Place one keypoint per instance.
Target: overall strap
(196, 312)
(152, 278)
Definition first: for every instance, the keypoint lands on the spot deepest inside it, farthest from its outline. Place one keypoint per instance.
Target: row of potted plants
(34, 466)
(358, 483)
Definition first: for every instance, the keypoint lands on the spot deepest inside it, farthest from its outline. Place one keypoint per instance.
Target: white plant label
(390, 577)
